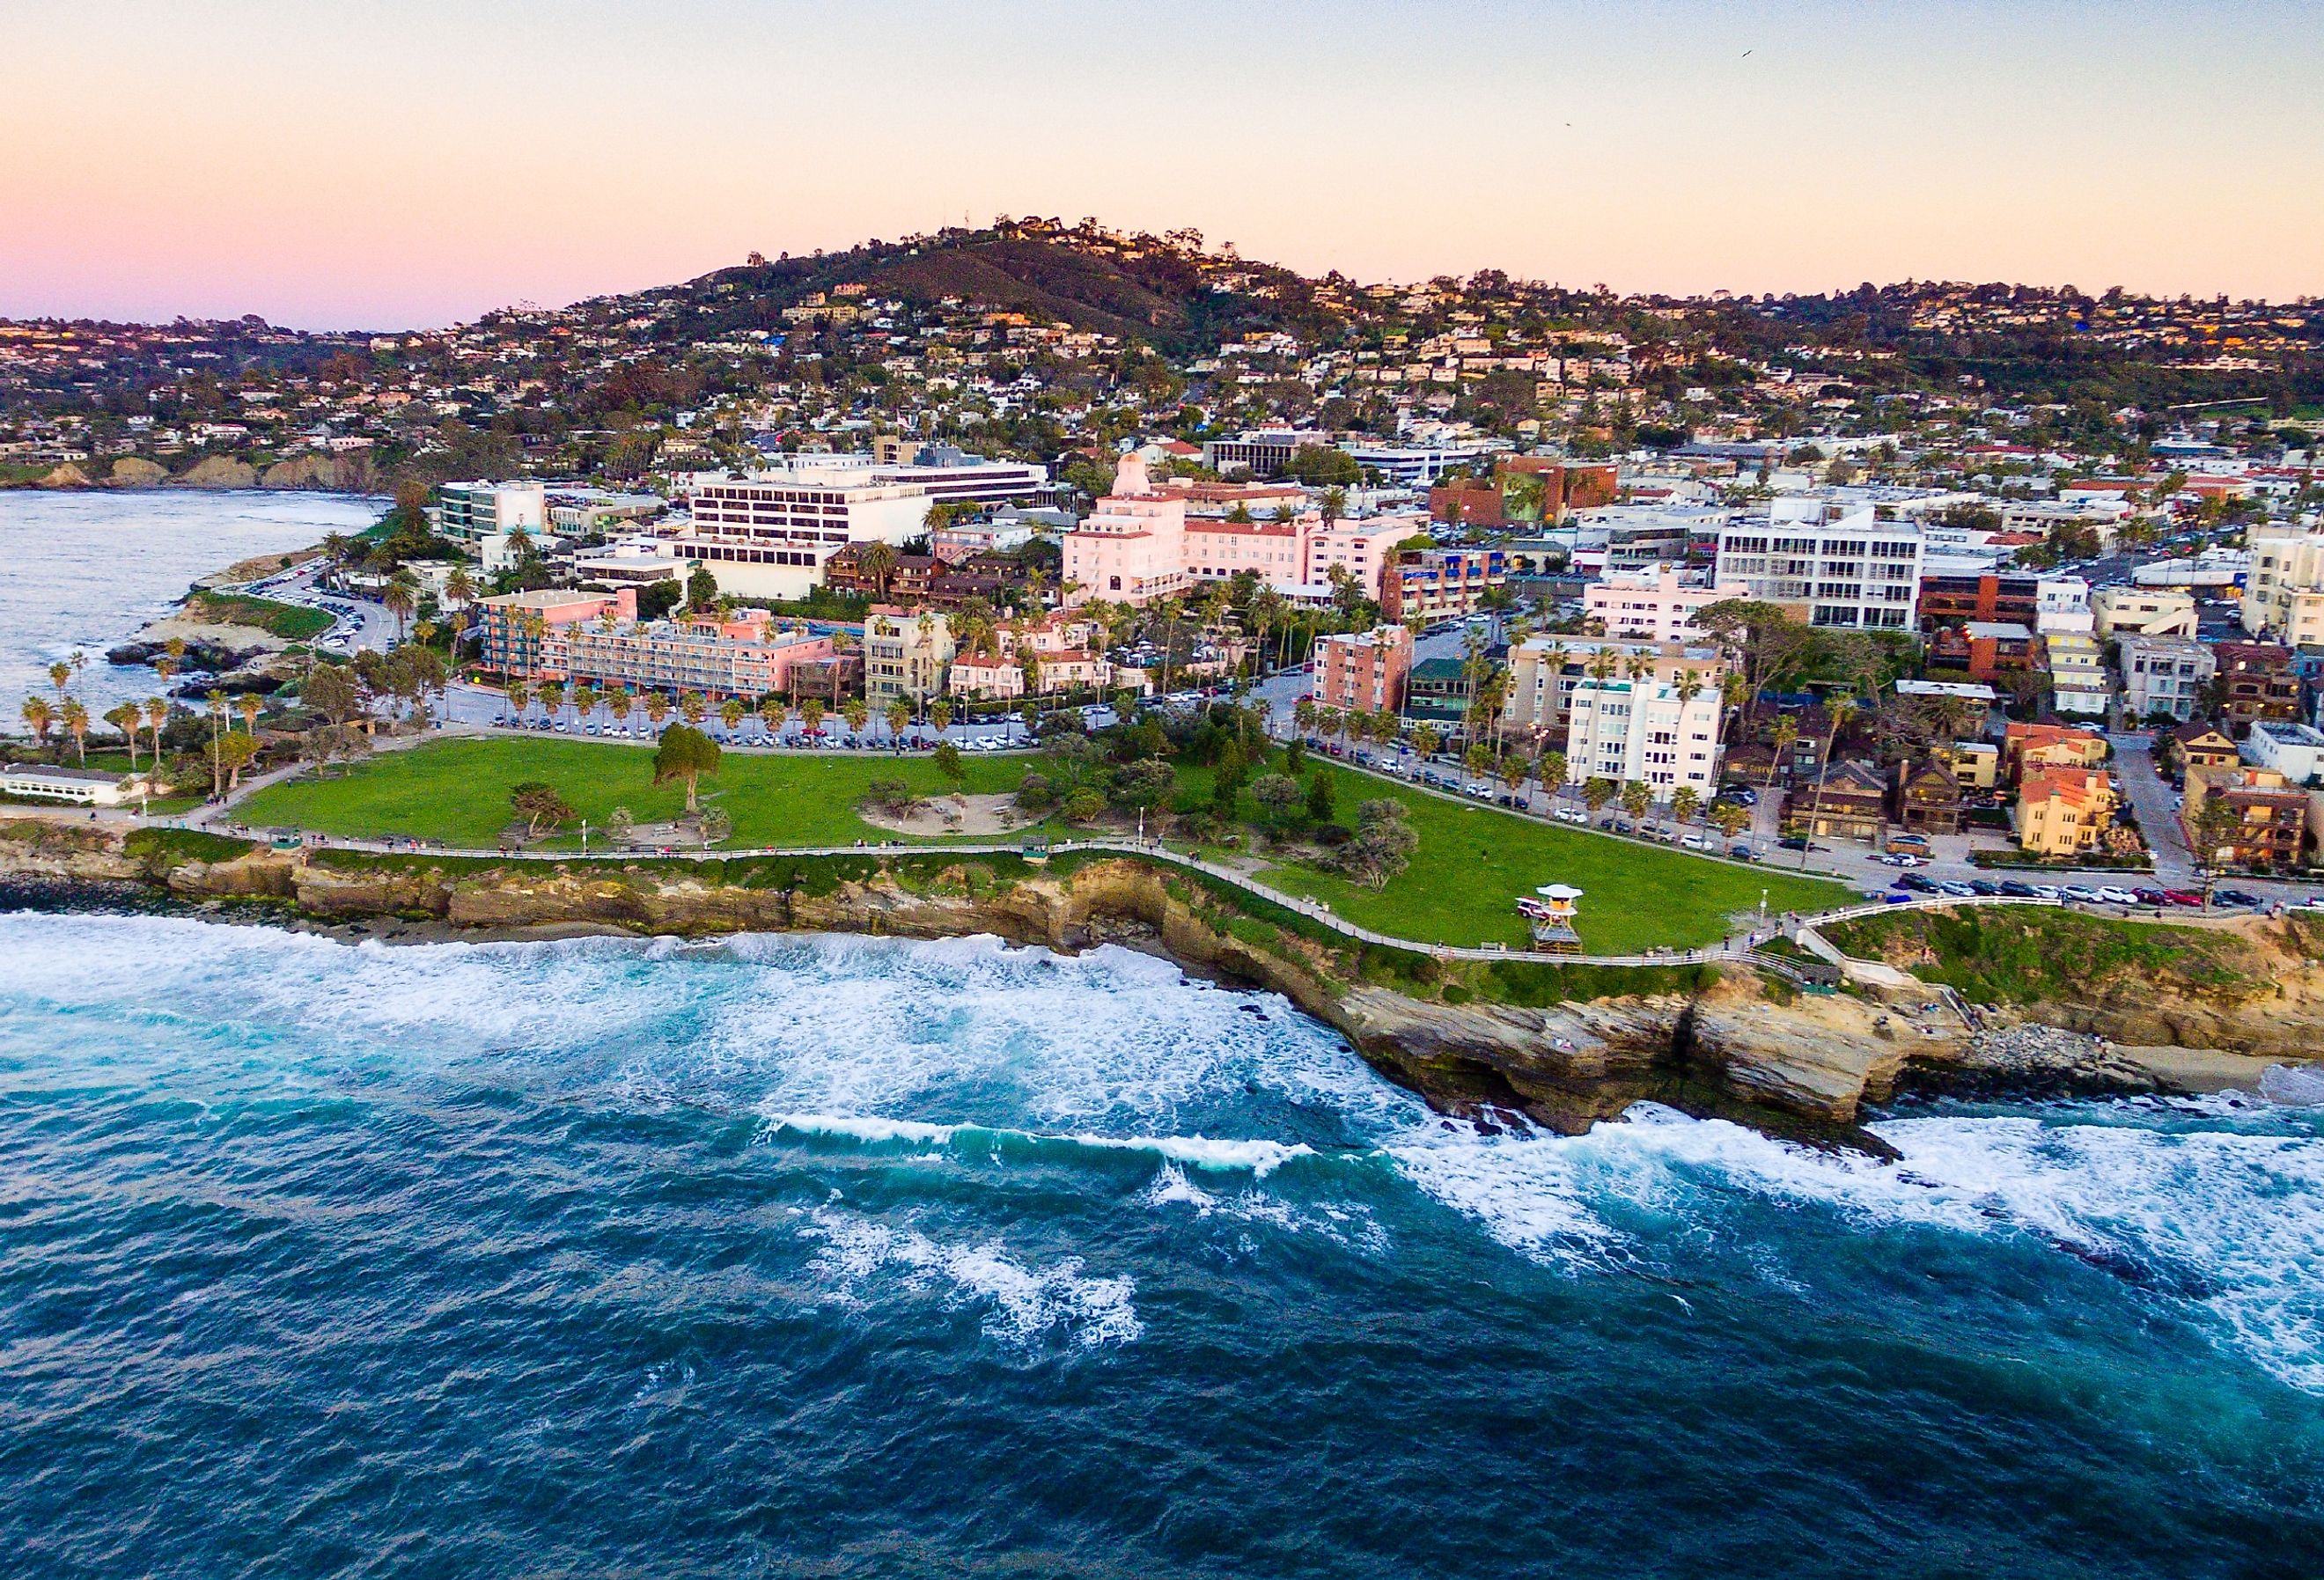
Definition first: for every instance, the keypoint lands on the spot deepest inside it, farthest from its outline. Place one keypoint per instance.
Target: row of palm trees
(554, 697)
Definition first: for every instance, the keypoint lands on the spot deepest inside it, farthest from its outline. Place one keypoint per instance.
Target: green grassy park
(1474, 862)
(291, 622)
(458, 791)
(1471, 864)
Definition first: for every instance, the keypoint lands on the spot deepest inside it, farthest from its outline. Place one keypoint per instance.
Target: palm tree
(731, 713)
(39, 716)
(402, 596)
(552, 699)
(122, 717)
(1552, 770)
(940, 713)
(585, 702)
(811, 714)
(857, 714)
(60, 675)
(1788, 734)
(619, 703)
(772, 712)
(692, 707)
(249, 706)
(1841, 710)
(878, 561)
(657, 709)
(519, 697)
(157, 714)
(76, 721)
(459, 587)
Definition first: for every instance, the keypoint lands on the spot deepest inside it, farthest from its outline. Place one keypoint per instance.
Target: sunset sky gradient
(382, 165)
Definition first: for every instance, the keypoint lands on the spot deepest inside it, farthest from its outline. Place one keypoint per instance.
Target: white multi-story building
(2283, 595)
(1622, 710)
(2061, 605)
(2164, 675)
(769, 540)
(1659, 606)
(2142, 612)
(2292, 749)
(1847, 572)
(466, 512)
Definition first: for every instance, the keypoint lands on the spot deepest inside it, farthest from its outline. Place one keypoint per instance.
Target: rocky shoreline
(1725, 1043)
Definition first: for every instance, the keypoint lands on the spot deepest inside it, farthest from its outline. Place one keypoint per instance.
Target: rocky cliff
(1727, 1044)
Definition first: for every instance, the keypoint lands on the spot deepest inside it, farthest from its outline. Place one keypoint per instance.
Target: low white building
(2142, 612)
(83, 787)
(2292, 749)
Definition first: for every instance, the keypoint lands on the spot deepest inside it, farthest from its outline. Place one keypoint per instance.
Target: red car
(2182, 897)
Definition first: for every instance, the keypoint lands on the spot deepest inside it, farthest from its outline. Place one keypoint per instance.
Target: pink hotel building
(1139, 545)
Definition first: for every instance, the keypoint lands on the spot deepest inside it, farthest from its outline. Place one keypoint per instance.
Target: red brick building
(1483, 502)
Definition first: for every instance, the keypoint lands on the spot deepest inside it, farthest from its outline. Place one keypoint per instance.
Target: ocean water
(85, 570)
(850, 1257)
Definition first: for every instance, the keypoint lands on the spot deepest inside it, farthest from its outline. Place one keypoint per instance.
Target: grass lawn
(293, 622)
(458, 791)
(1474, 862)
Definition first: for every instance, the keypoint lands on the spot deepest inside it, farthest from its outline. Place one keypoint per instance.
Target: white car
(2114, 896)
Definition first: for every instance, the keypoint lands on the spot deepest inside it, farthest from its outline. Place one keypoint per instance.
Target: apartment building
(1621, 710)
(2292, 749)
(2260, 680)
(2284, 595)
(2271, 816)
(2141, 611)
(1429, 585)
(1654, 607)
(907, 654)
(767, 539)
(2078, 676)
(515, 627)
(1846, 571)
(1365, 549)
(2163, 675)
(467, 513)
(746, 656)
(1364, 671)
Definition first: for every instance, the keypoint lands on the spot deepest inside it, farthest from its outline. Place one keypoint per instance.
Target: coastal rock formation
(342, 474)
(68, 476)
(136, 472)
(218, 472)
(1728, 1043)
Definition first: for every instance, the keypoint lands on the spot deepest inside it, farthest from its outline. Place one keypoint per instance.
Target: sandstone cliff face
(1729, 1049)
(218, 472)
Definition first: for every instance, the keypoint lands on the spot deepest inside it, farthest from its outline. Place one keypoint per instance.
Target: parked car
(2114, 895)
(2082, 894)
(2182, 897)
(1958, 890)
(2236, 897)
(2015, 889)
(1917, 884)
(1743, 852)
(1799, 842)
(1983, 888)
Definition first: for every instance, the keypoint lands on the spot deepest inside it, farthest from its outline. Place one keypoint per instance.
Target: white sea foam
(1260, 1157)
(1024, 1303)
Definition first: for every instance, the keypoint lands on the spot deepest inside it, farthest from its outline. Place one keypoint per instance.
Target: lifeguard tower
(1553, 920)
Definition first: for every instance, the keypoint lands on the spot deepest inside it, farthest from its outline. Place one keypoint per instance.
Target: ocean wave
(1024, 1303)
(1260, 1158)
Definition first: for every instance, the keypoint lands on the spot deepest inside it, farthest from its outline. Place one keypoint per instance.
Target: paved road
(2156, 806)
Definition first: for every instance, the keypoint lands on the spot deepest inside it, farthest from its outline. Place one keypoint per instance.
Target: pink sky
(385, 165)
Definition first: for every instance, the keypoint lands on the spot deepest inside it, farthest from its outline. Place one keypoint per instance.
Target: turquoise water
(846, 1257)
